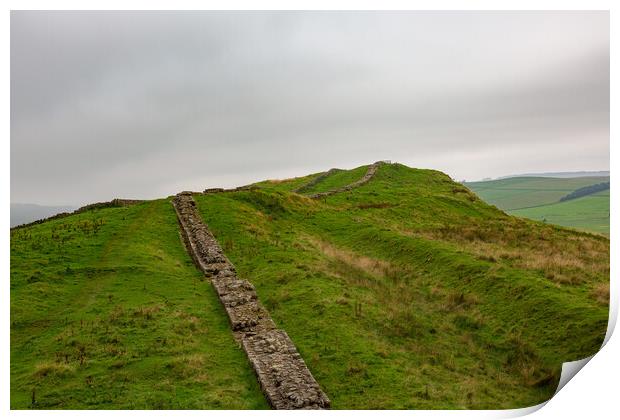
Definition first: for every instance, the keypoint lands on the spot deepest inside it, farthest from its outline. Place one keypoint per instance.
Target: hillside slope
(410, 292)
(405, 292)
(108, 311)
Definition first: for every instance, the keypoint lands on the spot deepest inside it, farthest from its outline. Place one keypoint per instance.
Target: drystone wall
(116, 202)
(370, 173)
(372, 169)
(316, 180)
(224, 190)
(284, 377)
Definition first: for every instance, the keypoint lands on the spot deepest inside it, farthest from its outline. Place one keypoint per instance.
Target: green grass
(407, 292)
(286, 185)
(108, 311)
(538, 198)
(337, 180)
(410, 292)
(588, 213)
(522, 192)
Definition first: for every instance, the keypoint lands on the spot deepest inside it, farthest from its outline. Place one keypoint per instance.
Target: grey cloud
(143, 104)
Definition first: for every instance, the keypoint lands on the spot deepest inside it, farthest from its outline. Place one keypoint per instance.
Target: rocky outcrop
(284, 377)
(370, 173)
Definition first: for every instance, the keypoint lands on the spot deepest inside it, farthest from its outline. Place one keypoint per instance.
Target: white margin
(592, 395)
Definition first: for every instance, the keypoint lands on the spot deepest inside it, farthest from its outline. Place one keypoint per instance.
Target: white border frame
(592, 393)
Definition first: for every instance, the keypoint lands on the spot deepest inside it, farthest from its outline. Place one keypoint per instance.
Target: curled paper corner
(613, 314)
(520, 412)
(569, 370)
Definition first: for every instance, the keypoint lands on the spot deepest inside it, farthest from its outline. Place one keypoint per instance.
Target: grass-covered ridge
(406, 292)
(108, 311)
(410, 292)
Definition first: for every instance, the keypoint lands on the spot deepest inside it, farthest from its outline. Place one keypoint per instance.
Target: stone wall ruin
(370, 173)
(284, 377)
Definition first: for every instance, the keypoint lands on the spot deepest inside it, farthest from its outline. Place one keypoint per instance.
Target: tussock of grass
(601, 293)
(456, 300)
(53, 370)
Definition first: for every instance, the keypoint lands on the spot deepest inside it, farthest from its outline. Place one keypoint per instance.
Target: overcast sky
(146, 104)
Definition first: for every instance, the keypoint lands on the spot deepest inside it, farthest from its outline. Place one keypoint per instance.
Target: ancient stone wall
(316, 180)
(284, 377)
(370, 173)
(116, 202)
(225, 190)
(372, 170)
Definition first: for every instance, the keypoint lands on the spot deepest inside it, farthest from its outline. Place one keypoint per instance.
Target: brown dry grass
(398, 301)
(393, 290)
(563, 258)
(52, 369)
(364, 206)
(600, 292)
(372, 266)
(147, 312)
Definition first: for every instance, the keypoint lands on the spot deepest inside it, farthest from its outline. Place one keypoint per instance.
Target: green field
(588, 213)
(521, 192)
(538, 198)
(108, 311)
(407, 292)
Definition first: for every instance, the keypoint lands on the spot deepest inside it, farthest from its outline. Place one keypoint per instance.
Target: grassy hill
(538, 198)
(410, 283)
(407, 292)
(108, 311)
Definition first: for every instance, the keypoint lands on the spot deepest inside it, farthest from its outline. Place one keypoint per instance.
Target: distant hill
(25, 213)
(405, 292)
(578, 174)
(527, 196)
